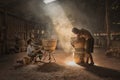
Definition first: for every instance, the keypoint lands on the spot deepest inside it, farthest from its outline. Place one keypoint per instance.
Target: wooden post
(107, 25)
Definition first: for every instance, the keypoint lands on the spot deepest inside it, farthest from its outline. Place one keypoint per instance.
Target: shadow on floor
(50, 67)
(103, 72)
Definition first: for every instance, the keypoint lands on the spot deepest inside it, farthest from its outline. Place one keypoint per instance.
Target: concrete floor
(105, 68)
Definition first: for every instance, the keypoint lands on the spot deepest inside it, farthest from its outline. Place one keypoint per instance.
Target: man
(89, 46)
(32, 52)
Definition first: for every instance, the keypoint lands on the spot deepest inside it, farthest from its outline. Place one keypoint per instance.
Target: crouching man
(32, 52)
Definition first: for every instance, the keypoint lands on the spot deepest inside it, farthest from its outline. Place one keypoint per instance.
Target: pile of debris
(113, 52)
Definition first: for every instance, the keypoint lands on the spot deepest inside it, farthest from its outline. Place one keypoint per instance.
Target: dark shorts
(32, 55)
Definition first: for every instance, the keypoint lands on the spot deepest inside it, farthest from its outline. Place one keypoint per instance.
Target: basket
(77, 43)
(49, 44)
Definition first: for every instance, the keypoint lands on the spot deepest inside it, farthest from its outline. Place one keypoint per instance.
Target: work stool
(49, 49)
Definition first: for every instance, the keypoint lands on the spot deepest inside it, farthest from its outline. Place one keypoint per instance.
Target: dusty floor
(105, 68)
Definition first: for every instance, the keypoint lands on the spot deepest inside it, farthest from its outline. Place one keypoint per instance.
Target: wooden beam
(11, 4)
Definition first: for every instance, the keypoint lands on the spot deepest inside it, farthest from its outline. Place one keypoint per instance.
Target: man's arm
(35, 51)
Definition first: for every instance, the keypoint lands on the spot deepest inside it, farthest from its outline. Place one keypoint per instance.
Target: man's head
(75, 30)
